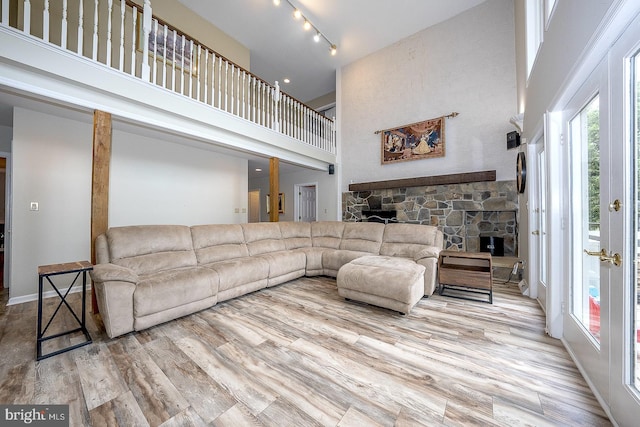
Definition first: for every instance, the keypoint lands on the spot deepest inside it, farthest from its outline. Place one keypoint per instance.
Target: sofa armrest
(428, 252)
(111, 272)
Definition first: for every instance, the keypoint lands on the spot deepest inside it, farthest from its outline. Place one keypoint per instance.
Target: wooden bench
(469, 272)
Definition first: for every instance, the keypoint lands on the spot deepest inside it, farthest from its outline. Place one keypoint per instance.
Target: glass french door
(625, 312)
(602, 314)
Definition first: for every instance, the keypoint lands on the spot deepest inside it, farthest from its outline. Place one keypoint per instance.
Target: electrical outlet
(515, 268)
(34, 206)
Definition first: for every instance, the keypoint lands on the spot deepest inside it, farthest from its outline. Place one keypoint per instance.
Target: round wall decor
(521, 172)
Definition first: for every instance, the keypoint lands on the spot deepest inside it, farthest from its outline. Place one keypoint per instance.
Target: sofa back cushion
(150, 248)
(327, 234)
(406, 240)
(296, 234)
(263, 237)
(218, 242)
(362, 236)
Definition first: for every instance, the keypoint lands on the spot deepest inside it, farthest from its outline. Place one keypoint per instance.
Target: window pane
(585, 142)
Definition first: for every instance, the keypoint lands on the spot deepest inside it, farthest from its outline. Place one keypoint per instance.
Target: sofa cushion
(327, 234)
(296, 234)
(150, 248)
(333, 259)
(218, 242)
(407, 240)
(362, 237)
(240, 271)
(164, 290)
(263, 237)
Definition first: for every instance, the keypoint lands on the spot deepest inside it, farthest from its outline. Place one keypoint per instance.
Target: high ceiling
(280, 48)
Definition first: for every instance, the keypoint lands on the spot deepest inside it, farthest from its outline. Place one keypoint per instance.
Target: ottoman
(389, 282)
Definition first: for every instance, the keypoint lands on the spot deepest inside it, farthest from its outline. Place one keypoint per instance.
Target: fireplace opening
(382, 216)
(492, 244)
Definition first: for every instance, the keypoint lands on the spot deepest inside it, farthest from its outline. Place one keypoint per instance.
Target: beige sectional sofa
(147, 275)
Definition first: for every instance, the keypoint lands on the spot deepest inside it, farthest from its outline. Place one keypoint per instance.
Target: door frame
(8, 203)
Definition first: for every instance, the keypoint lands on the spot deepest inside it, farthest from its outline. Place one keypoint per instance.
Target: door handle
(614, 259)
(535, 232)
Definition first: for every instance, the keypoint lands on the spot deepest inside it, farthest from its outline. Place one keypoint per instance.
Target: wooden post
(274, 188)
(100, 184)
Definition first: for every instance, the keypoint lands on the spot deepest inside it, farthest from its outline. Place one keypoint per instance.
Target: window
(533, 31)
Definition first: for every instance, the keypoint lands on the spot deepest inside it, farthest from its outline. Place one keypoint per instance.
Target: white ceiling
(281, 48)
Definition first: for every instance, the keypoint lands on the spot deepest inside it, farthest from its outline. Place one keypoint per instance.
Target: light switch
(34, 206)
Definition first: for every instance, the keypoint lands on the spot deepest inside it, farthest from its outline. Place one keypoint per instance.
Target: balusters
(191, 69)
(109, 29)
(26, 22)
(182, 46)
(5, 13)
(147, 15)
(153, 38)
(94, 53)
(244, 100)
(232, 87)
(173, 61)
(134, 38)
(45, 21)
(63, 26)
(199, 73)
(121, 47)
(164, 56)
(220, 83)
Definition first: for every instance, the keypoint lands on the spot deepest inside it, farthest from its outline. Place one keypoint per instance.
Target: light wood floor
(298, 355)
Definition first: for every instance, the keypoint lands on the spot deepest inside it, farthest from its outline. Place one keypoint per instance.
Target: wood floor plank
(99, 376)
(156, 395)
(299, 354)
(206, 397)
(122, 411)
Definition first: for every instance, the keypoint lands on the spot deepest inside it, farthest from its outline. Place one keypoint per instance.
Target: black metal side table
(45, 272)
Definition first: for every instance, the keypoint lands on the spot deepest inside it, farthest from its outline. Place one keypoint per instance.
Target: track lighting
(308, 25)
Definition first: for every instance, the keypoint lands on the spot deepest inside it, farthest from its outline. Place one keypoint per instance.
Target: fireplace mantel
(456, 178)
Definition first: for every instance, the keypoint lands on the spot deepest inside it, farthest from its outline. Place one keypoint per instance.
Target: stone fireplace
(464, 212)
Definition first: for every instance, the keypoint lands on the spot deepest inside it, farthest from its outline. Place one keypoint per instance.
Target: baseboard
(45, 295)
(599, 398)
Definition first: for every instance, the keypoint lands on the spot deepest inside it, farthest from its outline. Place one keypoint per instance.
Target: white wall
(325, 193)
(51, 166)
(467, 65)
(152, 181)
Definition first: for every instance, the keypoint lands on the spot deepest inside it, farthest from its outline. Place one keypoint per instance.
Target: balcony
(118, 57)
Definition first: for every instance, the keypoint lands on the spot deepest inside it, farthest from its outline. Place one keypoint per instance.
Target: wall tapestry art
(421, 140)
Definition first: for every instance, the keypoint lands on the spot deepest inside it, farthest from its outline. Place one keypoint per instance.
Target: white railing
(112, 32)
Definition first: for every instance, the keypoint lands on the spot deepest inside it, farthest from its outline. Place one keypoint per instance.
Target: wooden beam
(100, 184)
(274, 188)
(456, 178)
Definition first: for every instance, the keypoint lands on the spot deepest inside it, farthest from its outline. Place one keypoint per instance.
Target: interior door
(306, 203)
(254, 206)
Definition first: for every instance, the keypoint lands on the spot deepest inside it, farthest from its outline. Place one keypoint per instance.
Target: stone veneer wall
(453, 208)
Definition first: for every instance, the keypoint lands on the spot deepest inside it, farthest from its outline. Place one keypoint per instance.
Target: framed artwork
(176, 46)
(280, 203)
(422, 140)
